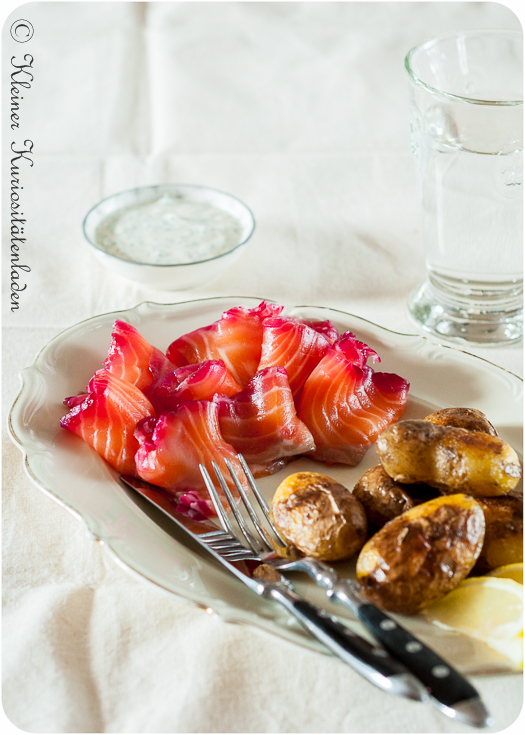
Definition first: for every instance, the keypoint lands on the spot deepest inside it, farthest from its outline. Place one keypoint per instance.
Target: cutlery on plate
(371, 661)
(449, 690)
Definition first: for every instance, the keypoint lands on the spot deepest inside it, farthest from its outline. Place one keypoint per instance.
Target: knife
(371, 661)
(448, 689)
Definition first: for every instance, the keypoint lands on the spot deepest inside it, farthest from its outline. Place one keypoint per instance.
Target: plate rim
(237, 616)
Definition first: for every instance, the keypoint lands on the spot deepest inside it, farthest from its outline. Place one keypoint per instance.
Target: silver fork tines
(262, 502)
(226, 545)
(223, 517)
(257, 546)
(219, 509)
(253, 515)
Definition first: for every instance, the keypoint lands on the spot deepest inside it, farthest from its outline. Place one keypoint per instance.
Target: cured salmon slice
(346, 405)
(296, 345)
(106, 417)
(326, 328)
(261, 422)
(355, 351)
(132, 358)
(193, 383)
(172, 447)
(236, 339)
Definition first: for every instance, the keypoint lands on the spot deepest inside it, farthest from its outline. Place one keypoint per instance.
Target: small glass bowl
(175, 276)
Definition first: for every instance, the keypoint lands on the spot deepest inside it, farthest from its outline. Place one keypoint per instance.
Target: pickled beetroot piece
(346, 406)
(173, 446)
(236, 338)
(132, 358)
(193, 383)
(261, 423)
(106, 417)
(295, 345)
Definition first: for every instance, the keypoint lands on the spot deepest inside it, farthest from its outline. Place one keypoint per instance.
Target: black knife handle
(442, 681)
(370, 661)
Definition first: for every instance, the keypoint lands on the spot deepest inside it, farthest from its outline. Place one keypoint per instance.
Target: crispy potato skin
(503, 542)
(319, 516)
(463, 418)
(384, 499)
(381, 497)
(415, 559)
(448, 458)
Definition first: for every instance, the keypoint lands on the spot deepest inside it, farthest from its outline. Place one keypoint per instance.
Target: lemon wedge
(487, 608)
(509, 571)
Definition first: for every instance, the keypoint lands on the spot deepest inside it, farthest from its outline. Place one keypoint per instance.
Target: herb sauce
(169, 231)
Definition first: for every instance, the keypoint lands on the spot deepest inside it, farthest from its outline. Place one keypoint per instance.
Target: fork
(368, 659)
(449, 690)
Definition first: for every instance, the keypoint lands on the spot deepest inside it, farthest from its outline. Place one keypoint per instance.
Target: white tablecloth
(300, 110)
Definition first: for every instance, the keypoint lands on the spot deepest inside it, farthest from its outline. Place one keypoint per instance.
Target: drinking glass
(466, 105)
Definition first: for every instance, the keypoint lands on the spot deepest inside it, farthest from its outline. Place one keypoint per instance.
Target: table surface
(300, 110)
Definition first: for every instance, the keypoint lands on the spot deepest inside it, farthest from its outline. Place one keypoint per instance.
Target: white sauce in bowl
(169, 231)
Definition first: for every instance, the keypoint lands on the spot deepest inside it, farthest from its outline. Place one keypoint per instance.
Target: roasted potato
(381, 497)
(503, 542)
(384, 499)
(319, 516)
(415, 559)
(463, 418)
(448, 458)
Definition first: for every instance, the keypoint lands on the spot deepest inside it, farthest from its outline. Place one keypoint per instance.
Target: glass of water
(466, 105)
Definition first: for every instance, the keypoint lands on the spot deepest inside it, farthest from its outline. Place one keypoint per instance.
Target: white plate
(140, 539)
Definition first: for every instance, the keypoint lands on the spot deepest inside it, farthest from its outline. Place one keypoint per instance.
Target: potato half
(319, 516)
(415, 559)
